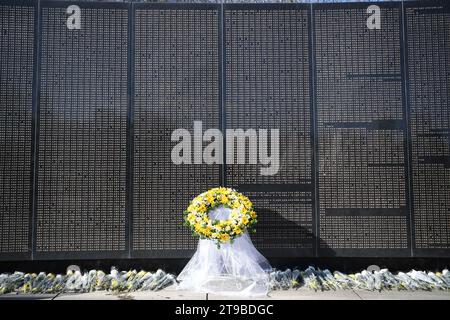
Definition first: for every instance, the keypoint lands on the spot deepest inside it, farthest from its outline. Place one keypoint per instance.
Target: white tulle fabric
(237, 269)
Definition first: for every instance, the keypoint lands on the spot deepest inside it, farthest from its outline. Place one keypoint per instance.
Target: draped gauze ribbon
(236, 268)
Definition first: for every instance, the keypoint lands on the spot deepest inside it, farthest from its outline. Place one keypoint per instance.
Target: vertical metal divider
(130, 135)
(407, 139)
(222, 92)
(315, 167)
(35, 128)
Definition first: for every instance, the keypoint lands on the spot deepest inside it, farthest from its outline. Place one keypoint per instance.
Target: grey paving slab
(97, 295)
(163, 295)
(404, 295)
(300, 294)
(169, 293)
(15, 296)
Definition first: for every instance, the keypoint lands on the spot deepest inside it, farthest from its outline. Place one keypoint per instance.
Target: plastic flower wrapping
(94, 280)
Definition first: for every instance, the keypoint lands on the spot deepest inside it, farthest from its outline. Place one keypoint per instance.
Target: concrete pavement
(171, 293)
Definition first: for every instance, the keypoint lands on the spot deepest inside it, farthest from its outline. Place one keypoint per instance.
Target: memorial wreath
(242, 217)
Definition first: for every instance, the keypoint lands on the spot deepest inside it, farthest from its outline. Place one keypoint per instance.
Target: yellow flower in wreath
(224, 237)
(224, 199)
(210, 198)
(198, 227)
(202, 208)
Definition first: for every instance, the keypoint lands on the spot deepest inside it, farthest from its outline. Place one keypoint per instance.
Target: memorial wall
(88, 106)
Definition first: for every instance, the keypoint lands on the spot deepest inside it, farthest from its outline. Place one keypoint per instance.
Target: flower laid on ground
(94, 280)
(324, 280)
(311, 278)
(242, 218)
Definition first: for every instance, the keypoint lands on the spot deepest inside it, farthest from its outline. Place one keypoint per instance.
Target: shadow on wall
(281, 235)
